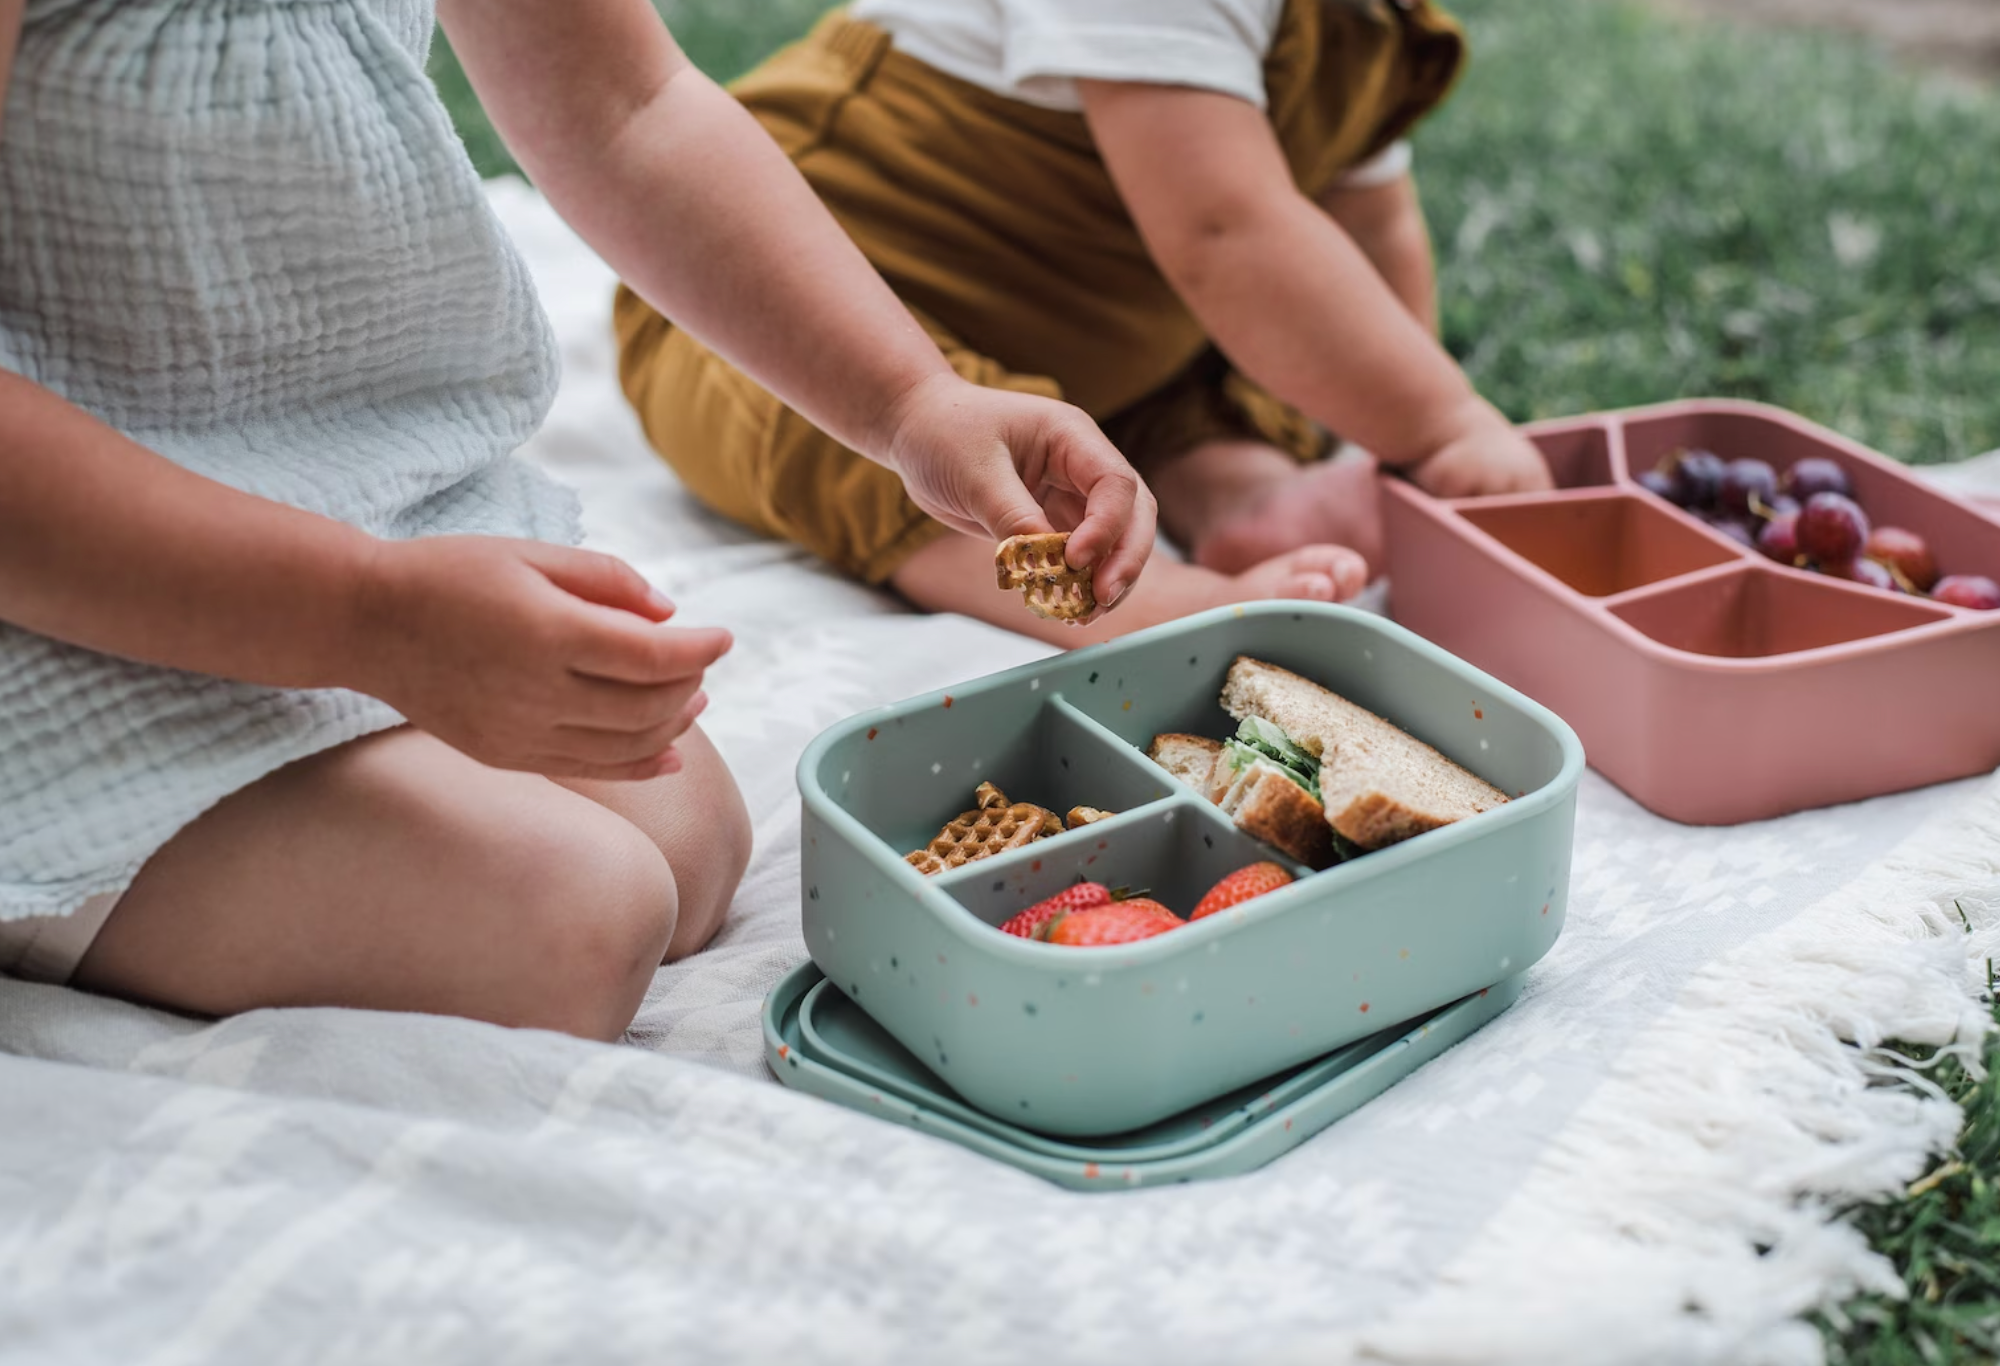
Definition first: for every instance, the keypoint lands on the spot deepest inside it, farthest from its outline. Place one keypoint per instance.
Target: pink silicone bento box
(1710, 683)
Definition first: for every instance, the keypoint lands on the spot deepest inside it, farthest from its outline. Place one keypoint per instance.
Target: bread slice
(1379, 785)
(1264, 801)
(1268, 805)
(1191, 758)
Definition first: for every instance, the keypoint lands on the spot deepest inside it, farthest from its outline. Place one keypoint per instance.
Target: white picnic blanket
(1632, 1165)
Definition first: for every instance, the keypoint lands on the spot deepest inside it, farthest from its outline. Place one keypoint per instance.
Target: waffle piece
(1049, 587)
(1080, 816)
(992, 827)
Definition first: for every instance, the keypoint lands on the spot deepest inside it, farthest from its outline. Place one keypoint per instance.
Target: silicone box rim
(1957, 620)
(1948, 621)
(1293, 1083)
(1639, 621)
(1193, 937)
(1263, 1140)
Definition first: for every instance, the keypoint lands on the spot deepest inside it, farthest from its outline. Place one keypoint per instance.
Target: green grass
(725, 38)
(1943, 1236)
(1630, 209)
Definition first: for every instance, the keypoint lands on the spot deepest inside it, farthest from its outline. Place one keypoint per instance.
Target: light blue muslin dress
(244, 233)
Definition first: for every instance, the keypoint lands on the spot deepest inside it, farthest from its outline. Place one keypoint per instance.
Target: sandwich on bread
(1269, 801)
(1316, 776)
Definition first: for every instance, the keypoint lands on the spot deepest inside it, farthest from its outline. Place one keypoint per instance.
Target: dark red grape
(1832, 528)
(1657, 483)
(1861, 570)
(1736, 529)
(1746, 483)
(1781, 505)
(1815, 475)
(1905, 552)
(1780, 538)
(1969, 590)
(1697, 477)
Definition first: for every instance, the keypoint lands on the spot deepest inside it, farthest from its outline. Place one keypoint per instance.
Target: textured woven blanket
(1634, 1164)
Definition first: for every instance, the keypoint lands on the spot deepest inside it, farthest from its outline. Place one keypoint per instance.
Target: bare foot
(1318, 573)
(955, 574)
(1335, 502)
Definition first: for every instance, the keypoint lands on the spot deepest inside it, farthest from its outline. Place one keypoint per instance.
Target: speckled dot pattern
(1150, 1028)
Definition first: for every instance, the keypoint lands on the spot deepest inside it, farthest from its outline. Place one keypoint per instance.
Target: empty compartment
(1172, 853)
(1579, 454)
(1964, 539)
(906, 777)
(1763, 612)
(1602, 546)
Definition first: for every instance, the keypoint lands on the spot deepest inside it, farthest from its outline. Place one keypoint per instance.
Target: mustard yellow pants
(749, 457)
(997, 223)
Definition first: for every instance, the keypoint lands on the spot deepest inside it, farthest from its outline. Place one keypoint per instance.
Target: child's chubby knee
(709, 866)
(593, 905)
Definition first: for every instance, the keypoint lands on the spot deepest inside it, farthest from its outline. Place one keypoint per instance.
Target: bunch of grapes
(1809, 519)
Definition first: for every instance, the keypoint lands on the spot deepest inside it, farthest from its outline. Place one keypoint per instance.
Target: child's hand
(530, 656)
(991, 463)
(1490, 458)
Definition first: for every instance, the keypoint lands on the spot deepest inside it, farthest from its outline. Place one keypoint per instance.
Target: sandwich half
(1269, 799)
(1191, 758)
(1378, 785)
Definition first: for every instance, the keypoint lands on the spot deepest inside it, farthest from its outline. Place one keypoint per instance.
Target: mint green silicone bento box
(1093, 1042)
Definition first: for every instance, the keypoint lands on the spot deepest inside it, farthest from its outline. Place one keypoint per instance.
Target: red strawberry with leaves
(1240, 886)
(1120, 922)
(1034, 922)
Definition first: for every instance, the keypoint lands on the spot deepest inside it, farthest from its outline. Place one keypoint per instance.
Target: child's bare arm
(678, 188)
(1288, 295)
(1387, 223)
(522, 655)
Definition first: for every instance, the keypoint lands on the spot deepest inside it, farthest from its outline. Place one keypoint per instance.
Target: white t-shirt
(1035, 51)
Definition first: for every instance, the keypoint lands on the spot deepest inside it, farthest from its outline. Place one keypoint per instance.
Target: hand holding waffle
(1039, 567)
(987, 462)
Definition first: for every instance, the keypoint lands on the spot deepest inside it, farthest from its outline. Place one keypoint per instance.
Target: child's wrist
(1453, 426)
(363, 591)
(903, 417)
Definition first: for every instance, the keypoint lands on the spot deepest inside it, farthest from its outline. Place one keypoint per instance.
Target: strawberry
(1033, 923)
(1240, 886)
(1120, 922)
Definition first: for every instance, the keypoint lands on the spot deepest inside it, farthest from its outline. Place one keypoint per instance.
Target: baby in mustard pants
(1194, 219)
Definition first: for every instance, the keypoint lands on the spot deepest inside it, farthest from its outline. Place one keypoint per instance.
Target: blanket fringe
(1698, 1189)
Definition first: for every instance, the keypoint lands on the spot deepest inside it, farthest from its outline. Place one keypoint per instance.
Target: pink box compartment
(1711, 684)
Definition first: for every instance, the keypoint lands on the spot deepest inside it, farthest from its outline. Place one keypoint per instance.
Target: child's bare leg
(955, 574)
(1234, 504)
(395, 873)
(705, 837)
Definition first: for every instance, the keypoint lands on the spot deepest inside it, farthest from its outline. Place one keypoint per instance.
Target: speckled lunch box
(1091, 1042)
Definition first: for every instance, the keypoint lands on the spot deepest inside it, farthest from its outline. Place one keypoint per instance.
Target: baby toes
(1343, 571)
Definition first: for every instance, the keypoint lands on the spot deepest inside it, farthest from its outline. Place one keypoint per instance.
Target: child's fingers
(612, 747)
(634, 653)
(1115, 536)
(607, 704)
(1536, 478)
(1008, 509)
(1065, 510)
(601, 579)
